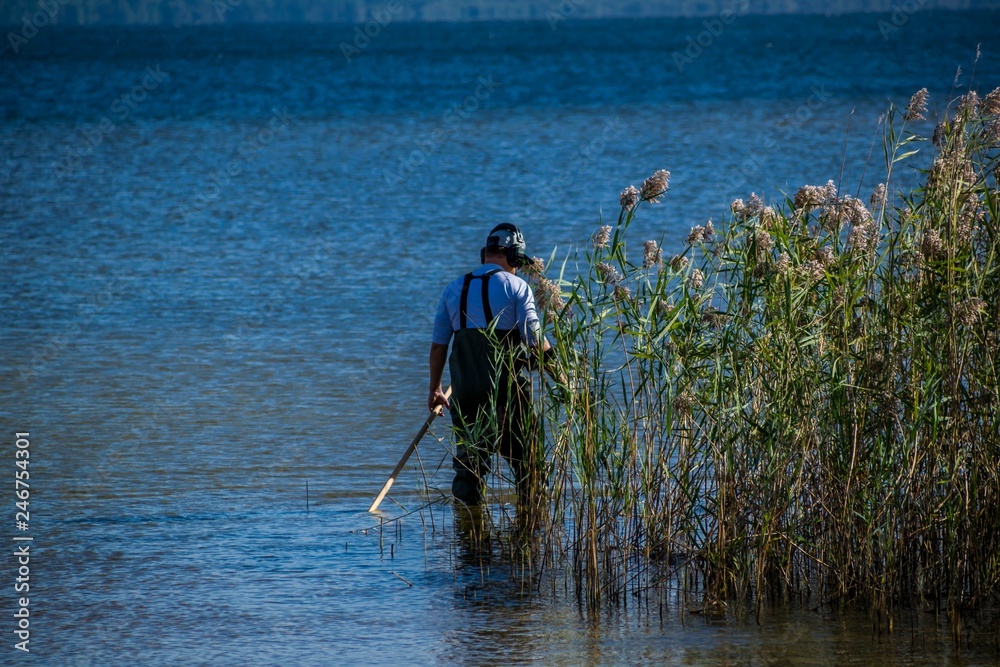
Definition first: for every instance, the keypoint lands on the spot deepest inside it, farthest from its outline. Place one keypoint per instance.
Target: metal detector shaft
(406, 454)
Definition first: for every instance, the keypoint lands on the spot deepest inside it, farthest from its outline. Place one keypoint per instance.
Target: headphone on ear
(509, 238)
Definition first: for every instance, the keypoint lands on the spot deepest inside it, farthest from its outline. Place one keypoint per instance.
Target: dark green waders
(490, 403)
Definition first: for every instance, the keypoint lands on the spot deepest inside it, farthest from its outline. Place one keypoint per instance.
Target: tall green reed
(801, 404)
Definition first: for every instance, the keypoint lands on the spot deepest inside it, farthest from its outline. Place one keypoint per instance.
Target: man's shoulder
(516, 284)
(455, 283)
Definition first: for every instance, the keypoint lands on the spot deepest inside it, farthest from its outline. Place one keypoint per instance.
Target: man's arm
(547, 361)
(439, 354)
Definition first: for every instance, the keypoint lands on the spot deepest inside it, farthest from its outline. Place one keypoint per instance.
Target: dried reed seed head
(991, 133)
(857, 213)
(708, 231)
(863, 238)
(678, 262)
(762, 242)
(781, 264)
(837, 212)
(738, 208)
(968, 104)
(910, 259)
(746, 210)
(652, 254)
(825, 256)
(534, 267)
(940, 133)
(654, 186)
(768, 217)
(664, 308)
(831, 190)
(696, 280)
(917, 106)
(548, 295)
(629, 198)
(713, 318)
(965, 226)
(839, 295)
(696, 235)
(608, 273)
(967, 312)
(878, 196)
(812, 270)
(991, 103)
(953, 171)
(682, 404)
(622, 293)
(601, 237)
(810, 196)
(832, 217)
(931, 246)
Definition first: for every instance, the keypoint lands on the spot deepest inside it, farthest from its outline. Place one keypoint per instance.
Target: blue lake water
(223, 247)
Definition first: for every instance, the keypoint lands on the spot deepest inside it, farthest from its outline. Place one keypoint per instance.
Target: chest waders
(489, 399)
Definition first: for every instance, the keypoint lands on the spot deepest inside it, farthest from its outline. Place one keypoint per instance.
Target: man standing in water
(490, 312)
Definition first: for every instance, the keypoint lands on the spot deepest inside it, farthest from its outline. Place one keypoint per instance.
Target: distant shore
(195, 12)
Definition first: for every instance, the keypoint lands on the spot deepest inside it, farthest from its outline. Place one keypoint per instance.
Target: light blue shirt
(511, 300)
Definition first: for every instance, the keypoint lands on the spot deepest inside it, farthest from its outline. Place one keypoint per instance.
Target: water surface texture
(222, 249)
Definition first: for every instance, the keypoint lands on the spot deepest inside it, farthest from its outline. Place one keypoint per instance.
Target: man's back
(511, 303)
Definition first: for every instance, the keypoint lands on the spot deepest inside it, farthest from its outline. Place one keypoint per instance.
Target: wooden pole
(406, 454)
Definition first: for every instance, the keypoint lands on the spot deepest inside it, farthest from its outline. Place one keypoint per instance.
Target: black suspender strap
(487, 311)
(464, 302)
(463, 306)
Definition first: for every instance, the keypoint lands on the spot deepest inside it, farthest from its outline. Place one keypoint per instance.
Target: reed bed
(803, 404)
